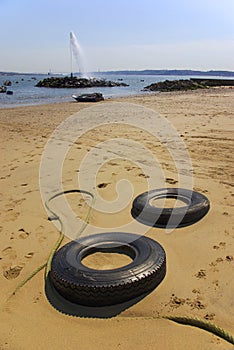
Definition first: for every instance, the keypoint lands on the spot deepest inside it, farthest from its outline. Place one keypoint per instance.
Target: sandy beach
(200, 258)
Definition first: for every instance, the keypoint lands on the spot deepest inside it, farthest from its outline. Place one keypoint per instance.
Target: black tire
(82, 285)
(197, 205)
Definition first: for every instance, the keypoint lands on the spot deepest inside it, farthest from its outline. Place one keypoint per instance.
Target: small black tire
(85, 286)
(197, 206)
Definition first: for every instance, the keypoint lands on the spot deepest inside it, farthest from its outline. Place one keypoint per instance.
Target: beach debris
(195, 208)
(85, 286)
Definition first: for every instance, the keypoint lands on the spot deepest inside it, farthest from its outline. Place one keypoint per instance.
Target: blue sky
(117, 34)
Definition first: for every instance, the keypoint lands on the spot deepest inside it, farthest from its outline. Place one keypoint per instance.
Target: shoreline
(132, 96)
(111, 98)
(200, 263)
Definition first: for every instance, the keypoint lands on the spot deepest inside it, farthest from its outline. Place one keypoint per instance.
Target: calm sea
(25, 93)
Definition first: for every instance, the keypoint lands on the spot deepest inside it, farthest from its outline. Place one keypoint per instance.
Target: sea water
(26, 93)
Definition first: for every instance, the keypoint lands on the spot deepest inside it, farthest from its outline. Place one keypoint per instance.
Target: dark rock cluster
(188, 84)
(76, 82)
(214, 82)
(176, 85)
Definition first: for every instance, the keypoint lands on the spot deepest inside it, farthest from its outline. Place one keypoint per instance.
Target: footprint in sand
(143, 175)
(216, 283)
(12, 271)
(209, 317)
(9, 253)
(19, 201)
(23, 234)
(40, 234)
(171, 181)
(229, 258)
(201, 274)
(221, 245)
(198, 189)
(5, 177)
(214, 263)
(12, 236)
(27, 192)
(13, 168)
(103, 184)
(176, 302)
(129, 168)
(11, 216)
(29, 255)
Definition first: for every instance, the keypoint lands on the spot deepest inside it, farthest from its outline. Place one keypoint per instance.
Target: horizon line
(124, 70)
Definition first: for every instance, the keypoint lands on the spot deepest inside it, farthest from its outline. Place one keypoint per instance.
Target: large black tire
(85, 286)
(197, 205)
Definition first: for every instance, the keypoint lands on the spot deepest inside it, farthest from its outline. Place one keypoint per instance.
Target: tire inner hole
(169, 201)
(107, 257)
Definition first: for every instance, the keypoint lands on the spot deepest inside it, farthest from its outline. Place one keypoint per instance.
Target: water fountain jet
(77, 52)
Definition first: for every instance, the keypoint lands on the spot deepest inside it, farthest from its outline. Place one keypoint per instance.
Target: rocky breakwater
(176, 85)
(76, 82)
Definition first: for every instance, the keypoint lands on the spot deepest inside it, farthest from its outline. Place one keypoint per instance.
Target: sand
(199, 279)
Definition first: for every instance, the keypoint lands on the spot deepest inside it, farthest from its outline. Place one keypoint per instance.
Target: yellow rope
(191, 321)
(205, 325)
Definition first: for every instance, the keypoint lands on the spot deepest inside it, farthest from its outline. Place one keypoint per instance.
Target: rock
(213, 82)
(75, 82)
(176, 85)
(3, 89)
(7, 83)
(188, 84)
